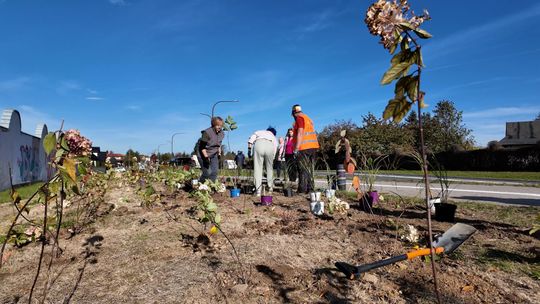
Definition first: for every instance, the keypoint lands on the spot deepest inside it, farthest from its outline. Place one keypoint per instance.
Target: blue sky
(129, 74)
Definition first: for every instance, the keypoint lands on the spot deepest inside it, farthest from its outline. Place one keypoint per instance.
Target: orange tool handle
(421, 252)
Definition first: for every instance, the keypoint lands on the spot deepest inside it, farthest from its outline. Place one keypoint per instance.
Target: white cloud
(68, 86)
(93, 92)
(464, 39)
(133, 108)
(14, 84)
(504, 112)
(96, 98)
(118, 2)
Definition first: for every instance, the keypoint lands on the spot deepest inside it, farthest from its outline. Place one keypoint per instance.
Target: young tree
(450, 130)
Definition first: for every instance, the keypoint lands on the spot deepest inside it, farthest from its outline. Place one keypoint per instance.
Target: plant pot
(367, 200)
(266, 200)
(315, 196)
(235, 192)
(317, 208)
(288, 192)
(445, 212)
(330, 193)
(247, 189)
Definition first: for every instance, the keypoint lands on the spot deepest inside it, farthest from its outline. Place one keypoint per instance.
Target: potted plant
(444, 211)
(371, 170)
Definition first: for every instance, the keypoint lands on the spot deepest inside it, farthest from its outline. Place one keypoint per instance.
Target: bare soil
(161, 254)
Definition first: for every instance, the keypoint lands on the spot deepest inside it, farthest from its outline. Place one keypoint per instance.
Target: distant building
(521, 134)
(98, 158)
(115, 158)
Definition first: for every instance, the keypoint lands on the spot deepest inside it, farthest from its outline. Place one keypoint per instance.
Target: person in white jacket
(264, 146)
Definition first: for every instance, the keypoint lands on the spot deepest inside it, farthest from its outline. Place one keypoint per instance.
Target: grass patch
(518, 176)
(520, 216)
(24, 191)
(510, 262)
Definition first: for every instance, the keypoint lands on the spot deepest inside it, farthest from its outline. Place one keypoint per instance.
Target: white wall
(21, 152)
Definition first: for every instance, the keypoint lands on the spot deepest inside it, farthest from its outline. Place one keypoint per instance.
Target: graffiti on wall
(28, 163)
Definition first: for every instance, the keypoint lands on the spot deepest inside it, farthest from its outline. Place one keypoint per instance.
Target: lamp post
(161, 145)
(172, 143)
(221, 101)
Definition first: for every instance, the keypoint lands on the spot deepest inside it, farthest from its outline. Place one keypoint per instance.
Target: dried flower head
(78, 144)
(384, 17)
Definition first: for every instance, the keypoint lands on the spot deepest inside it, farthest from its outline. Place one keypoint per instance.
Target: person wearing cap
(209, 149)
(264, 146)
(305, 148)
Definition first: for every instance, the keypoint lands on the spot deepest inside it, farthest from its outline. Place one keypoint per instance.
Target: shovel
(447, 243)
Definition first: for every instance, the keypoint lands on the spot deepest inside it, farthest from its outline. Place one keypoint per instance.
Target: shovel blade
(454, 237)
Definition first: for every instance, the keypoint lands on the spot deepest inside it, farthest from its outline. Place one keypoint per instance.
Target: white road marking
(463, 190)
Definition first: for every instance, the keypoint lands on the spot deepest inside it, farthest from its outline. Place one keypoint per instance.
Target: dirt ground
(132, 254)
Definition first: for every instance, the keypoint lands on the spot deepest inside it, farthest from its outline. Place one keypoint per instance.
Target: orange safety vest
(309, 141)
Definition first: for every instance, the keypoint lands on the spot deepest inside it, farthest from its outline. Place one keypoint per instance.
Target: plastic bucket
(235, 192)
(317, 208)
(330, 193)
(315, 196)
(266, 200)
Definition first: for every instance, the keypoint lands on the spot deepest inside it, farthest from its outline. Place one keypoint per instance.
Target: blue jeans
(209, 167)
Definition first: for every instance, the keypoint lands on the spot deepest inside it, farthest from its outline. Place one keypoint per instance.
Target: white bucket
(432, 203)
(330, 193)
(315, 196)
(317, 208)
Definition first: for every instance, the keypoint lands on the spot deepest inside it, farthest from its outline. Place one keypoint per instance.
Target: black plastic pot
(366, 202)
(445, 212)
(247, 189)
(288, 192)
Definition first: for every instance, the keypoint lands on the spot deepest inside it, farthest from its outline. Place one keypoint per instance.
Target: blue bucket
(235, 192)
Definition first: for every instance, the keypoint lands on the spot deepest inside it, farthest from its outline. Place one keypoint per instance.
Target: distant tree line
(444, 130)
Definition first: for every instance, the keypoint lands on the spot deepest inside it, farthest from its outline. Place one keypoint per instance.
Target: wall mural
(28, 163)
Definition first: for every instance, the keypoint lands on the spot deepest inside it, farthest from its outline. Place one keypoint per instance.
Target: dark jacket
(211, 141)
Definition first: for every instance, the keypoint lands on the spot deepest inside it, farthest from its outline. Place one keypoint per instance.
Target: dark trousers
(291, 167)
(306, 163)
(209, 167)
(280, 167)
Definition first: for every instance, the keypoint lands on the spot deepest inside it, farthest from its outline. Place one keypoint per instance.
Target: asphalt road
(502, 194)
(462, 190)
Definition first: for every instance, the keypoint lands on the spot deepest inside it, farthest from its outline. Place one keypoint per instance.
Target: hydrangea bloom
(78, 144)
(384, 16)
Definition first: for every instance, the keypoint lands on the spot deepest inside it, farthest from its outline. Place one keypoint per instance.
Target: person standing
(290, 162)
(264, 145)
(280, 158)
(239, 159)
(209, 149)
(305, 148)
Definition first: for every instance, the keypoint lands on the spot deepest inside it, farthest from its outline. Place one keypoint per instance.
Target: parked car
(120, 169)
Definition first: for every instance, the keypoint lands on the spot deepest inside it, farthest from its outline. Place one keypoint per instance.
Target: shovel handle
(421, 252)
(392, 260)
(353, 272)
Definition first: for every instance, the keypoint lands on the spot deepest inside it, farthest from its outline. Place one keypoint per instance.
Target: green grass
(520, 176)
(24, 191)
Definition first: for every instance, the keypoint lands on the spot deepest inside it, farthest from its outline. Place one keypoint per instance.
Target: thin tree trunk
(426, 185)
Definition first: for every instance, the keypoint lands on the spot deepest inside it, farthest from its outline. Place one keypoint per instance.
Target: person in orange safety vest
(305, 148)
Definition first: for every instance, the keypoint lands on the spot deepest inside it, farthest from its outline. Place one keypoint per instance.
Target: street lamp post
(221, 101)
(161, 145)
(172, 143)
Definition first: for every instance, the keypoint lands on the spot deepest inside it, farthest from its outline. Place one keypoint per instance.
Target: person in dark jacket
(209, 149)
(239, 159)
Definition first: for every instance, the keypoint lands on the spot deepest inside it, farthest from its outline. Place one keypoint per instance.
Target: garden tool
(447, 243)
